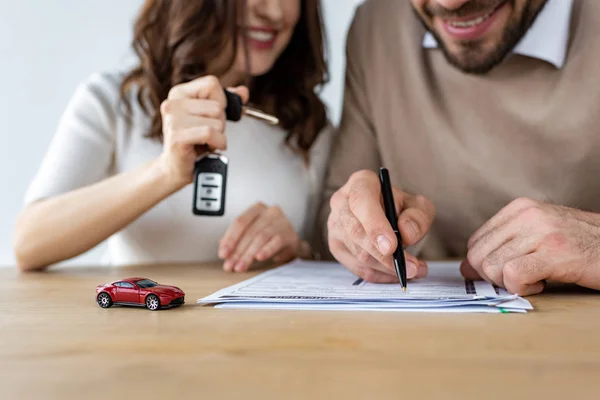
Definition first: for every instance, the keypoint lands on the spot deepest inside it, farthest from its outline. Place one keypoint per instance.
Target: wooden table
(56, 343)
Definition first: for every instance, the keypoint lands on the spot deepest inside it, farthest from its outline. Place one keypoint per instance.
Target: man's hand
(362, 239)
(528, 242)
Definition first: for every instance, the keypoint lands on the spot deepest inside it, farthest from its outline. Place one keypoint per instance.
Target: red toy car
(139, 292)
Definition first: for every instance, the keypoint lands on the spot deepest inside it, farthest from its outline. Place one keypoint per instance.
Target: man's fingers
(413, 225)
(415, 219)
(365, 254)
(346, 228)
(502, 217)
(489, 242)
(374, 276)
(360, 235)
(412, 265)
(364, 263)
(360, 245)
(369, 274)
(515, 266)
(423, 270)
(234, 233)
(528, 290)
(468, 272)
(525, 275)
(364, 203)
(494, 264)
(354, 262)
(398, 200)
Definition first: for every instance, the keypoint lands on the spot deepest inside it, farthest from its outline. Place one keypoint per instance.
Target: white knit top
(94, 141)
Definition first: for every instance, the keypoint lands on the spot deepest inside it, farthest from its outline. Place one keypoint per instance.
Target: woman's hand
(193, 118)
(259, 234)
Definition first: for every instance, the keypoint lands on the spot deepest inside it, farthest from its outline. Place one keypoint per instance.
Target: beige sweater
(471, 144)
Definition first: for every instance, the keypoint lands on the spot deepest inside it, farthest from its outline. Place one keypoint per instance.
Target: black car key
(235, 109)
(210, 171)
(210, 182)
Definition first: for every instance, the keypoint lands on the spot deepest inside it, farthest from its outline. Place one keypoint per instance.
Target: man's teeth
(473, 22)
(261, 36)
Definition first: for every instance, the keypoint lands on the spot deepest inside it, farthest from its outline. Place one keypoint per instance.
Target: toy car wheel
(152, 302)
(104, 300)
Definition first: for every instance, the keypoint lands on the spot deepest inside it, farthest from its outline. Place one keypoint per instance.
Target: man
(487, 109)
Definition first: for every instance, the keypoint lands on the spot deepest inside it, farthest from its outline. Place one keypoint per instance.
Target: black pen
(390, 213)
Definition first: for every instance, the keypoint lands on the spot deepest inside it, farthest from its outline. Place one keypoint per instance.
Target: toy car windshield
(146, 283)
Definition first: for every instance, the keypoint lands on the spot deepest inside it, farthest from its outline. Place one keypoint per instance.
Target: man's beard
(469, 60)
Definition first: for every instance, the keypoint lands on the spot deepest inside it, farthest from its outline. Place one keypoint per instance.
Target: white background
(47, 47)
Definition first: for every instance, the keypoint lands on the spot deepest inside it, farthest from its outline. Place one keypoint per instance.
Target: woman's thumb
(241, 91)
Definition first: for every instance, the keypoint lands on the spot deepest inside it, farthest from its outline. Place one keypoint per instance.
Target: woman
(121, 162)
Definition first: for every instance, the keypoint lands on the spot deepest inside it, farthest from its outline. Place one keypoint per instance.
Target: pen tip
(404, 289)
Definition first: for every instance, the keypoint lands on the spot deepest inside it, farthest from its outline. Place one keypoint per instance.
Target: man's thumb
(468, 272)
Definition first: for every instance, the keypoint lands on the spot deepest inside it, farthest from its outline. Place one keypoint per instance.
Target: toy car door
(128, 293)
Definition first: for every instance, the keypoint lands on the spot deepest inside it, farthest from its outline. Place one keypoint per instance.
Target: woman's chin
(256, 73)
(261, 68)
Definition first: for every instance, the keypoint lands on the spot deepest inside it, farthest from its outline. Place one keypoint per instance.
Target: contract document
(311, 285)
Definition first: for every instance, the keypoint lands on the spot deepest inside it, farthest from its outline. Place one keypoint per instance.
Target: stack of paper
(303, 285)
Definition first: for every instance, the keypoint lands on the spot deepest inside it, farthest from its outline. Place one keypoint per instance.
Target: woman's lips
(261, 38)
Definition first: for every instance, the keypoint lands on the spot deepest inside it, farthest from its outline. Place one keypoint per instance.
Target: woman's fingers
(247, 258)
(202, 135)
(180, 121)
(206, 87)
(193, 121)
(241, 91)
(196, 107)
(271, 248)
(287, 254)
(231, 238)
(236, 261)
(271, 235)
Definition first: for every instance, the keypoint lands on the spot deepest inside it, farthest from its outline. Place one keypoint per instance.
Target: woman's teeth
(261, 36)
(468, 24)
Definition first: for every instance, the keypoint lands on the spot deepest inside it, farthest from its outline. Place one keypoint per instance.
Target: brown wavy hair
(179, 40)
